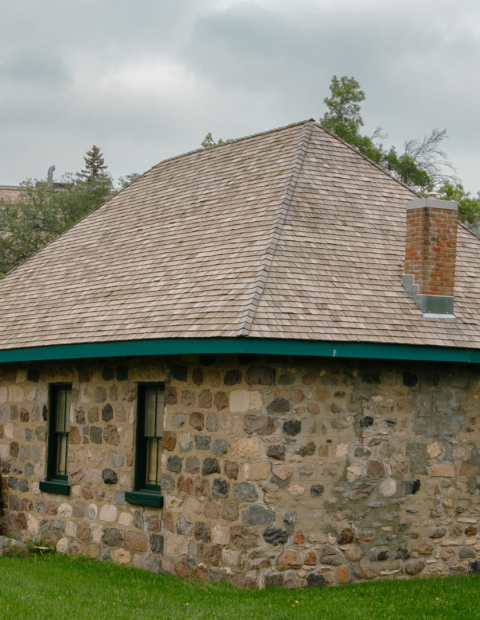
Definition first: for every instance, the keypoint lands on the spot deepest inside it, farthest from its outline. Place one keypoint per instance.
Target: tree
(422, 165)
(27, 227)
(94, 166)
(209, 141)
(468, 207)
(128, 179)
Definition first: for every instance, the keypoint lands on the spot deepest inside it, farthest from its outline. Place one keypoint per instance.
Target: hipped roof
(287, 234)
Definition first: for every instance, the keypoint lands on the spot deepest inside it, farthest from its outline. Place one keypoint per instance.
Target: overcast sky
(147, 79)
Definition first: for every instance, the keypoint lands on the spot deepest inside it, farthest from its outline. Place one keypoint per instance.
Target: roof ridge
(283, 207)
(232, 141)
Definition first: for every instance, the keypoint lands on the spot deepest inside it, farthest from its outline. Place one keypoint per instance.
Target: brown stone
(343, 574)
(211, 555)
(353, 553)
(120, 413)
(202, 488)
(426, 549)
(438, 532)
(364, 574)
(260, 424)
(111, 436)
(468, 470)
(21, 521)
(346, 536)
(93, 551)
(443, 470)
(341, 515)
(321, 395)
(51, 508)
(153, 523)
(26, 505)
(74, 437)
(214, 378)
(211, 510)
(375, 468)
(205, 399)
(220, 400)
(192, 465)
(288, 560)
(129, 459)
(197, 420)
(200, 574)
(188, 398)
(471, 530)
(167, 522)
(129, 392)
(447, 554)
(93, 415)
(24, 414)
(76, 548)
(136, 541)
(299, 538)
(87, 493)
(244, 537)
(171, 396)
(259, 471)
(456, 530)
(413, 567)
(83, 531)
(297, 394)
(230, 511)
(185, 485)
(201, 531)
(313, 407)
(231, 469)
(169, 440)
(182, 570)
(310, 558)
(198, 377)
(323, 451)
(309, 378)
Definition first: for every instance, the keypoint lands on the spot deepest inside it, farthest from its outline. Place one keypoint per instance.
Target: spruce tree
(94, 166)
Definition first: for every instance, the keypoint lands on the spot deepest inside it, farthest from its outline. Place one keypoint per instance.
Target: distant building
(10, 194)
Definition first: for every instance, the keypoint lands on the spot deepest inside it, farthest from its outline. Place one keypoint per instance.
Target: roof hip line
(267, 258)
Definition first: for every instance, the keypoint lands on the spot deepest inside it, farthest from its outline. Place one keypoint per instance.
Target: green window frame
(148, 446)
(58, 434)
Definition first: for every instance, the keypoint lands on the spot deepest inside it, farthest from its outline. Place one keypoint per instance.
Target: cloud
(149, 79)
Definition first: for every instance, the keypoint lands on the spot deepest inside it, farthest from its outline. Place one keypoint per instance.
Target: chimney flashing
(432, 203)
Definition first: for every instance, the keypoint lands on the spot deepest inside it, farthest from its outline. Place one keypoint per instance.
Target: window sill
(144, 498)
(55, 486)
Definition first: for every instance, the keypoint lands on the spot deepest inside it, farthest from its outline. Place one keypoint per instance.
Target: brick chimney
(430, 255)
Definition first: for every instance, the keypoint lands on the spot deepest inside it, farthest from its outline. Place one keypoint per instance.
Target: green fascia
(177, 346)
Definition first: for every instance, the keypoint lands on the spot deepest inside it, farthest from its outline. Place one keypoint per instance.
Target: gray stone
(202, 442)
(168, 483)
(100, 394)
(174, 463)
(466, 553)
(14, 503)
(8, 546)
(40, 507)
(24, 453)
(257, 515)
(292, 427)
(287, 378)
(59, 526)
(3, 414)
(178, 420)
(316, 490)
(156, 543)
(220, 446)
(119, 498)
(212, 422)
(184, 526)
(116, 458)
(12, 483)
(180, 373)
(245, 492)
(45, 526)
(35, 453)
(109, 476)
(314, 580)
(210, 466)
(23, 486)
(260, 424)
(105, 555)
(220, 488)
(378, 555)
(192, 465)
(290, 518)
(138, 521)
(29, 470)
(6, 466)
(95, 434)
(275, 536)
(112, 537)
(78, 510)
(107, 413)
(28, 434)
(201, 531)
(232, 377)
(276, 452)
(411, 487)
(279, 405)
(14, 412)
(260, 375)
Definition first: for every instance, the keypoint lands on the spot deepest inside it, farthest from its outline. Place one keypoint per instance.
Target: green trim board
(144, 498)
(55, 486)
(175, 346)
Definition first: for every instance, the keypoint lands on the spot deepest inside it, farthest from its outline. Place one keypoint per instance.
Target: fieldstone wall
(296, 472)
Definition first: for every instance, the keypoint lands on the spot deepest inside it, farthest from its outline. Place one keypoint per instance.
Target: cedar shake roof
(286, 234)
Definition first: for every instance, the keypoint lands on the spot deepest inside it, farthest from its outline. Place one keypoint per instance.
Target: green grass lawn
(58, 587)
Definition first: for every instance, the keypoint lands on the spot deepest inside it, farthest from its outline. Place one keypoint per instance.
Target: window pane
(63, 410)
(159, 417)
(152, 461)
(150, 411)
(62, 442)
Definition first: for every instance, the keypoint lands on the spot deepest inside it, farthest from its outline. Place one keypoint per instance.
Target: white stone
(92, 511)
(246, 448)
(76, 490)
(296, 489)
(139, 560)
(65, 511)
(32, 525)
(232, 424)
(3, 394)
(176, 545)
(126, 519)
(38, 470)
(193, 505)
(15, 394)
(108, 513)
(230, 557)
(4, 451)
(97, 532)
(354, 471)
(341, 449)
(433, 450)
(71, 529)
(62, 545)
(94, 476)
(31, 394)
(35, 488)
(242, 401)
(220, 535)
(9, 431)
(173, 503)
(388, 487)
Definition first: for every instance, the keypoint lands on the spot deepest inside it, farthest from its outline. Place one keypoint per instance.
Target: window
(148, 456)
(59, 429)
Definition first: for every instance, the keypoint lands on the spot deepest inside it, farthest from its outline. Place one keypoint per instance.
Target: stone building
(259, 363)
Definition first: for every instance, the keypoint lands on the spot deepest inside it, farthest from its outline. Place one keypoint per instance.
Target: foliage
(94, 166)
(421, 165)
(49, 211)
(468, 207)
(209, 141)
(128, 179)
(57, 587)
